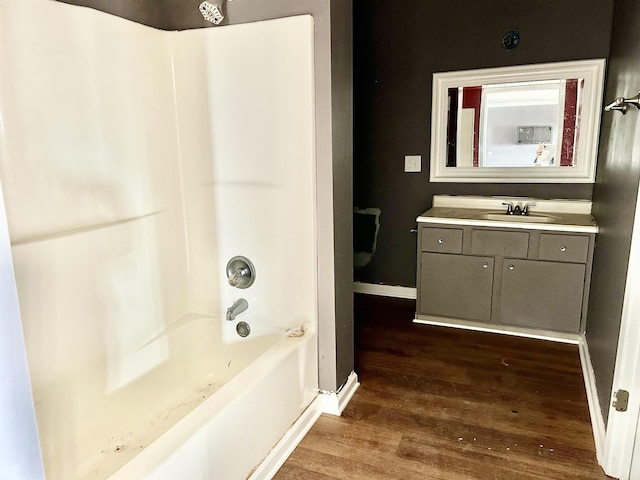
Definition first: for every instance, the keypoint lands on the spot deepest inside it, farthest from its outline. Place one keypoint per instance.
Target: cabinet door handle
(563, 248)
(485, 264)
(440, 240)
(511, 267)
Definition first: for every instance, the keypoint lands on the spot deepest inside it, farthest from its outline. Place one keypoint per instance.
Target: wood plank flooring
(441, 403)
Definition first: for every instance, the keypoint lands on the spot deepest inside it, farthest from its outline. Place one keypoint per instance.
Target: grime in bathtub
(296, 330)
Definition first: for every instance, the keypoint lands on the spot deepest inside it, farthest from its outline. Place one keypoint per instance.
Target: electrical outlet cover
(413, 163)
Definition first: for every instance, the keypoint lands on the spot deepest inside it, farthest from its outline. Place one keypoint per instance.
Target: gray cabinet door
(545, 295)
(456, 286)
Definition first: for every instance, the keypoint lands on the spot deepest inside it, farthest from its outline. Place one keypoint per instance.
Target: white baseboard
(384, 290)
(287, 444)
(334, 403)
(597, 420)
(326, 402)
(561, 337)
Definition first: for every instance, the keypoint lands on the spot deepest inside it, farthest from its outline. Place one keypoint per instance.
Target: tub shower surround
(135, 163)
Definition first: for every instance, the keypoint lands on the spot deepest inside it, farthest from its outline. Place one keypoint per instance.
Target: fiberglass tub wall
(255, 160)
(117, 261)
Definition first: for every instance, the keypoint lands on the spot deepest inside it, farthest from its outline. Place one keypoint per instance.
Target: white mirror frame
(587, 148)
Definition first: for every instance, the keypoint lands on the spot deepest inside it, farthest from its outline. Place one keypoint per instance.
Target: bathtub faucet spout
(237, 308)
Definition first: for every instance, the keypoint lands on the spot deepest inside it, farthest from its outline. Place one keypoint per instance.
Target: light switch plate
(413, 163)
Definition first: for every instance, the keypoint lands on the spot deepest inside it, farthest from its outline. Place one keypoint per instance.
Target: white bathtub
(231, 432)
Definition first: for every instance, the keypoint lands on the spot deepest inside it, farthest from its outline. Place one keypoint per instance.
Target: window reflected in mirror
(525, 124)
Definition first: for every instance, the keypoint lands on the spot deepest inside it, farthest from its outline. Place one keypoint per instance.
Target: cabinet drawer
(499, 243)
(564, 248)
(442, 240)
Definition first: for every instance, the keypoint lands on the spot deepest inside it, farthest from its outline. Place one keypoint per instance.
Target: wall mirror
(524, 124)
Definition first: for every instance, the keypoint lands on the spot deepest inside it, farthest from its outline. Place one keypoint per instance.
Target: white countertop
(558, 215)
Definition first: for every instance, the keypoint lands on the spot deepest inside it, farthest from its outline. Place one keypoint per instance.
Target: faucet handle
(238, 276)
(525, 209)
(509, 207)
(240, 272)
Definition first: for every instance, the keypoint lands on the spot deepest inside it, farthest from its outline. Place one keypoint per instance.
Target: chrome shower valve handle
(240, 272)
(237, 276)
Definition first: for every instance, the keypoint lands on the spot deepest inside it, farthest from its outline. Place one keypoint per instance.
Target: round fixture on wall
(243, 329)
(510, 40)
(241, 272)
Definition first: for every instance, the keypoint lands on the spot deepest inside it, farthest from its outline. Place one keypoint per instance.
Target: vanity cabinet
(534, 279)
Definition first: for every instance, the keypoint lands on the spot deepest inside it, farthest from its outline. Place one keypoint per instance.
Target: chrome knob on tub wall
(240, 272)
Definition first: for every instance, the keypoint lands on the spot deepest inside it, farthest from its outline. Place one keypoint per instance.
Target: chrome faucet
(525, 210)
(509, 207)
(237, 308)
(517, 210)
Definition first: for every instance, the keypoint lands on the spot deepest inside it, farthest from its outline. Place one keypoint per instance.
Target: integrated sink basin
(531, 218)
(561, 215)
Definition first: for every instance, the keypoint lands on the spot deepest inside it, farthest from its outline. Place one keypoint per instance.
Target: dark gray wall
(398, 45)
(333, 84)
(614, 199)
(184, 14)
(342, 140)
(142, 11)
